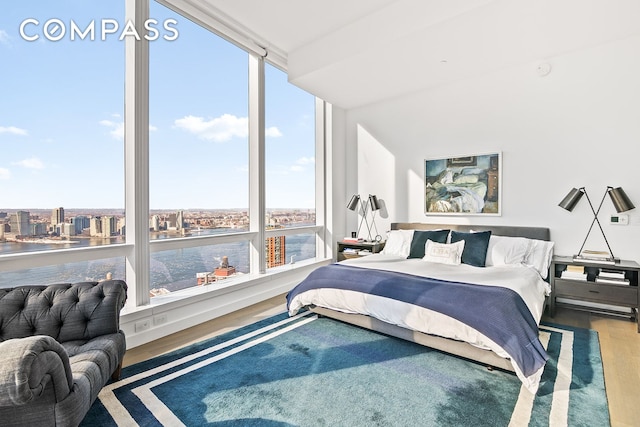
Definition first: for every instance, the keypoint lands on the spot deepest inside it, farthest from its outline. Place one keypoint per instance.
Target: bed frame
(458, 348)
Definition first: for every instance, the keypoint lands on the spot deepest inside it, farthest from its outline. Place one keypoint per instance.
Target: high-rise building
(67, 229)
(38, 228)
(80, 222)
(171, 222)
(179, 220)
(121, 226)
(155, 223)
(95, 226)
(109, 224)
(276, 252)
(57, 216)
(19, 223)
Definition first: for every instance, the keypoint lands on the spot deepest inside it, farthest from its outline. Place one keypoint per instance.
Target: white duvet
(524, 280)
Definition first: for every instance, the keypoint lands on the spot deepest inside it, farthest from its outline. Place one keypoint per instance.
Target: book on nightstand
(574, 272)
(353, 239)
(612, 277)
(611, 274)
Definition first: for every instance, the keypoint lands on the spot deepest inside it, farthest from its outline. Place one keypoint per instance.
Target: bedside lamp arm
(595, 219)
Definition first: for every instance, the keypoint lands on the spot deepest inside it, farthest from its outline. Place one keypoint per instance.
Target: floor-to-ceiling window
(198, 155)
(290, 143)
(63, 181)
(61, 135)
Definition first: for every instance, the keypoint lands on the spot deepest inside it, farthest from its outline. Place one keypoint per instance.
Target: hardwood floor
(619, 343)
(206, 330)
(620, 348)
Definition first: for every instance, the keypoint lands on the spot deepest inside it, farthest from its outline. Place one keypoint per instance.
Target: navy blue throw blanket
(498, 313)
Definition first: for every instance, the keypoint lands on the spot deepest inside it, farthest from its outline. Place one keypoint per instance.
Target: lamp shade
(375, 205)
(620, 200)
(571, 200)
(353, 203)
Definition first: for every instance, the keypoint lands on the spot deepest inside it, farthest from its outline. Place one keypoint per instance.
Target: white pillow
(398, 243)
(443, 253)
(504, 250)
(539, 256)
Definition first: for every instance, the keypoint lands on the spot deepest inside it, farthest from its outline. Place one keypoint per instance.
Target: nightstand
(353, 249)
(593, 286)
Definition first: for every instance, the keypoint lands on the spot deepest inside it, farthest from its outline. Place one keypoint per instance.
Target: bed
(470, 290)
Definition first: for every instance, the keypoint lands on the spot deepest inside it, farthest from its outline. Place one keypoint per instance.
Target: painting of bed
(463, 185)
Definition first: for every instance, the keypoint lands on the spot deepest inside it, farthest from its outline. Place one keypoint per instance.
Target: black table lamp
(620, 202)
(355, 202)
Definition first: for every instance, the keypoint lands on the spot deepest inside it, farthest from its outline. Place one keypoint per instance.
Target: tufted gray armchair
(59, 344)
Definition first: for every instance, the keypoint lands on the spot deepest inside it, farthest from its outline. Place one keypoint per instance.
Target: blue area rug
(309, 371)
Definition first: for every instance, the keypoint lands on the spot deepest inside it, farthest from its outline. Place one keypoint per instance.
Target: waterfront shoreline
(42, 241)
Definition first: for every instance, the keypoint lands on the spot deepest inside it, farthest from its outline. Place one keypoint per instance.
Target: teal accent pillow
(420, 240)
(475, 246)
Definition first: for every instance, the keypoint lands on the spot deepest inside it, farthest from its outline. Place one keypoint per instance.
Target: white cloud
(13, 130)
(273, 132)
(5, 173)
(117, 128)
(306, 160)
(219, 129)
(4, 38)
(300, 164)
(32, 163)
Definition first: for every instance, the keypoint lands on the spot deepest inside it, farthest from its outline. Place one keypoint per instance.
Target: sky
(62, 109)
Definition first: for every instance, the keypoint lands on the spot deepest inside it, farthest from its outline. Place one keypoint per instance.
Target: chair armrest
(28, 364)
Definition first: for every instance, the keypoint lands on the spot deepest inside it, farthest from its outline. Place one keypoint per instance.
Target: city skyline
(76, 222)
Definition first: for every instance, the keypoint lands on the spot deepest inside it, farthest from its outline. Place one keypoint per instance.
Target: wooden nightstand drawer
(624, 295)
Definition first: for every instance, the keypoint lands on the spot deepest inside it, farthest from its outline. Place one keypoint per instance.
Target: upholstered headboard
(539, 233)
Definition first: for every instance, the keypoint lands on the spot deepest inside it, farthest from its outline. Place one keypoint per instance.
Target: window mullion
(257, 163)
(324, 183)
(137, 156)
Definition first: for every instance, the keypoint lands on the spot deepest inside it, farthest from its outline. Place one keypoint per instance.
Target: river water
(172, 270)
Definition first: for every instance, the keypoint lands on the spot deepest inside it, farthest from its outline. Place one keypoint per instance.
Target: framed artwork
(470, 185)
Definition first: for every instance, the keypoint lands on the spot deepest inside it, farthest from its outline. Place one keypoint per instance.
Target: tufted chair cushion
(59, 344)
(63, 311)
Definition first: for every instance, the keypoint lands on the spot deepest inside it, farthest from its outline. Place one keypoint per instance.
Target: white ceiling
(356, 52)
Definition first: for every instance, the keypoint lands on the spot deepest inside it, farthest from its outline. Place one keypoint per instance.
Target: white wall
(577, 126)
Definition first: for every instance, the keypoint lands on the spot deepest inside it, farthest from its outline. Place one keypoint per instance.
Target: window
(61, 127)
(64, 179)
(198, 140)
(70, 272)
(179, 269)
(290, 142)
(198, 150)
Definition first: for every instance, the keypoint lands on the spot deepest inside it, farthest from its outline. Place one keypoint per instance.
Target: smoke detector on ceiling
(544, 69)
